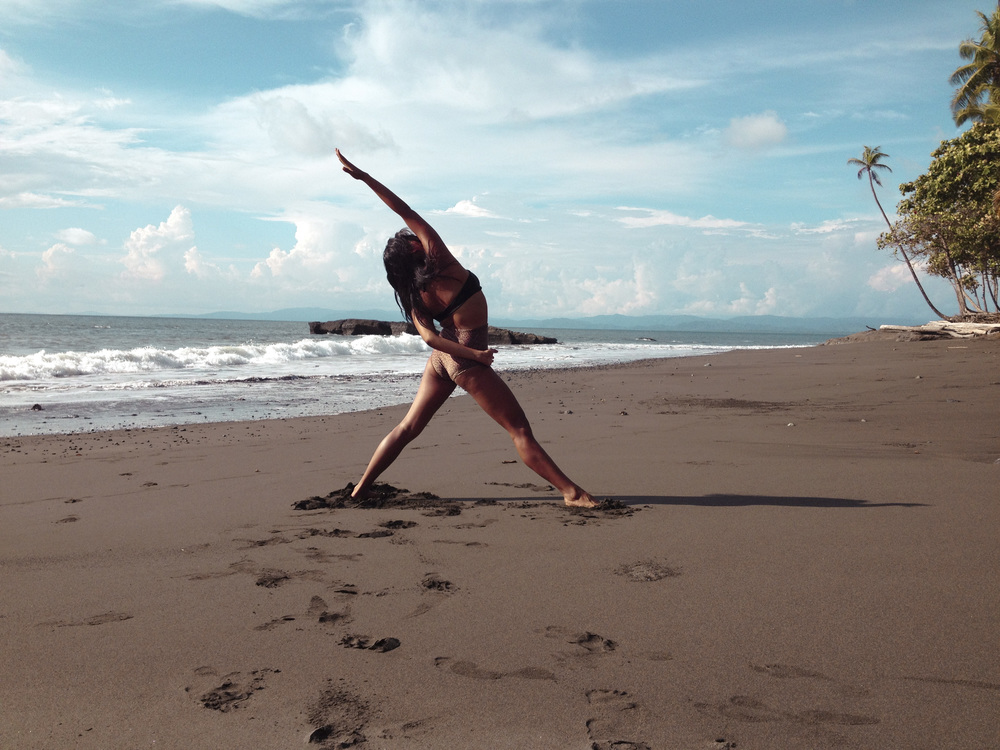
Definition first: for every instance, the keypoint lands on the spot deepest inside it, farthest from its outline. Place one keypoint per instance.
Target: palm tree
(870, 161)
(977, 97)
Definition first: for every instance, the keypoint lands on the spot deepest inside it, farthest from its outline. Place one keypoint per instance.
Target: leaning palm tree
(869, 163)
(978, 81)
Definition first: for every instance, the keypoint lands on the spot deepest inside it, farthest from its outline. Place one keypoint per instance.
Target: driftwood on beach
(362, 327)
(944, 329)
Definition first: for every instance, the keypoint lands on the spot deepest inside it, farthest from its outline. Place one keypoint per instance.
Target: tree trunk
(909, 265)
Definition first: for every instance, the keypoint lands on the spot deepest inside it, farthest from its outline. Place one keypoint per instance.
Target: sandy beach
(801, 552)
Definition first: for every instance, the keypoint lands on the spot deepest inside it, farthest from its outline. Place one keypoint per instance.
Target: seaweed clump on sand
(381, 496)
(606, 507)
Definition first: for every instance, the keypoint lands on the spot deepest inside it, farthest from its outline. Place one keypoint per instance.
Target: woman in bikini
(431, 284)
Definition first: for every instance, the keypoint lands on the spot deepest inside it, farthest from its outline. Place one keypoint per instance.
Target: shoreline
(350, 378)
(786, 574)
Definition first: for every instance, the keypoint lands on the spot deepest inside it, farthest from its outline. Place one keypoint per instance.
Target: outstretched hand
(352, 170)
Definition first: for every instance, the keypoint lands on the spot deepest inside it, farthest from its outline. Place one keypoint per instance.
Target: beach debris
(382, 645)
(37, 407)
(380, 497)
(943, 329)
(432, 582)
(399, 524)
(604, 508)
(377, 534)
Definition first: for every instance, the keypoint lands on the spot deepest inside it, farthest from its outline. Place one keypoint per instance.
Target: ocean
(64, 374)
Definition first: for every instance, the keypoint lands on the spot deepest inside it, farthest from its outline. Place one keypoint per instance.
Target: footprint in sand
(473, 671)
(752, 710)
(789, 672)
(332, 533)
(339, 718)
(102, 619)
(318, 608)
(588, 645)
(647, 571)
(235, 689)
(271, 579)
(593, 643)
(254, 543)
(957, 681)
(618, 722)
(275, 623)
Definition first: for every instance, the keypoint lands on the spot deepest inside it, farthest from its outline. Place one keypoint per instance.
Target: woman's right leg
(433, 392)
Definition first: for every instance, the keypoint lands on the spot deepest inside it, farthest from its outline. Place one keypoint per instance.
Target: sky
(631, 157)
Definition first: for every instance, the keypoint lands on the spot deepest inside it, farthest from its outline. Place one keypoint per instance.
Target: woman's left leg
(495, 397)
(433, 392)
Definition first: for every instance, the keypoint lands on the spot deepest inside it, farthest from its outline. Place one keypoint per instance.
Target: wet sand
(801, 551)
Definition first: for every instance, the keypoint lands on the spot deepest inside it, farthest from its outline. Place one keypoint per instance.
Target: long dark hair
(409, 272)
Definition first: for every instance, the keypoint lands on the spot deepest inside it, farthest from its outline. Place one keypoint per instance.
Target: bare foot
(579, 498)
(359, 494)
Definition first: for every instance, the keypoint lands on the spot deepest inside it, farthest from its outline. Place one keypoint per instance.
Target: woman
(431, 284)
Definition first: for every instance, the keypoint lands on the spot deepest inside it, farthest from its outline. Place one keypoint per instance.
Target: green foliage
(977, 96)
(947, 217)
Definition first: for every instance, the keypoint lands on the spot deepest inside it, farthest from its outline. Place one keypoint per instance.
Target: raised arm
(428, 237)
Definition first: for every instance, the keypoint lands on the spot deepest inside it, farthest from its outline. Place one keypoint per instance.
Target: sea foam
(44, 365)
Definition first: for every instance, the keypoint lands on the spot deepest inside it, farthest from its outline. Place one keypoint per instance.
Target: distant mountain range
(748, 323)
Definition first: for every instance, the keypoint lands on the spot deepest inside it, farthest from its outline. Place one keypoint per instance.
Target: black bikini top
(470, 287)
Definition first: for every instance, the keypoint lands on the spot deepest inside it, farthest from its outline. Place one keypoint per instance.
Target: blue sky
(584, 158)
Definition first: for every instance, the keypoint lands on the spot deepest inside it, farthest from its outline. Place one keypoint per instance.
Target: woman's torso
(445, 288)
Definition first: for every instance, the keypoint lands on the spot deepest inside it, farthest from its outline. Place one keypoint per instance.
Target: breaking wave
(46, 366)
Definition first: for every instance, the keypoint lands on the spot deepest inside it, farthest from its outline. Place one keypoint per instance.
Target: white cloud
(36, 200)
(76, 236)
(312, 249)
(144, 248)
(263, 8)
(828, 226)
(471, 209)
(292, 127)
(195, 264)
(9, 68)
(503, 71)
(660, 218)
(755, 132)
(51, 260)
(890, 278)
(327, 259)
(624, 296)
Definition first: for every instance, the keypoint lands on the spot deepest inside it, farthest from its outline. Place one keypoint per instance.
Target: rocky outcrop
(503, 336)
(361, 327)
